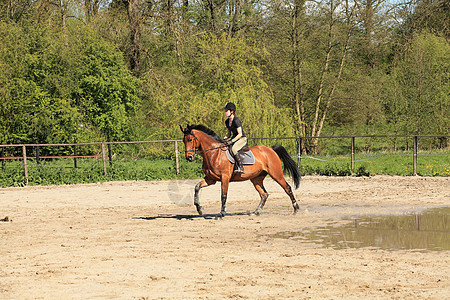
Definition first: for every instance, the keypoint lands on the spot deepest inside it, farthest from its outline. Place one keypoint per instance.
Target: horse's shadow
(190, 217)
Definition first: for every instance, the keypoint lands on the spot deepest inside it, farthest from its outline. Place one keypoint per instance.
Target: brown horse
(217, 167)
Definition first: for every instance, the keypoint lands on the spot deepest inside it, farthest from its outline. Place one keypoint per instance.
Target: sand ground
(143, 240)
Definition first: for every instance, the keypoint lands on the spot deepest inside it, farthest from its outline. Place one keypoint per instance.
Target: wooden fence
(106, 153)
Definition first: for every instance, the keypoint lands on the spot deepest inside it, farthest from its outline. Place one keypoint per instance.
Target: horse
(217, 167)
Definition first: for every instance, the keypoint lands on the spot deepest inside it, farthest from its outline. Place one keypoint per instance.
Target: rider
(235, 135)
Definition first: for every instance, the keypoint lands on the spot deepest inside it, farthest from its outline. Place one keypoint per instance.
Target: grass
(62, 171)
(383, 163)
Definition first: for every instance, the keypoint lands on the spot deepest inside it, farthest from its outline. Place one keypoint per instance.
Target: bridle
(221, 147)
(195, 140)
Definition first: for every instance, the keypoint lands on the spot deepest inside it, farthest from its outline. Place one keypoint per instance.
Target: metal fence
(106, 153)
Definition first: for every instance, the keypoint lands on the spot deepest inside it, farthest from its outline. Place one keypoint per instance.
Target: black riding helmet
(230, 106)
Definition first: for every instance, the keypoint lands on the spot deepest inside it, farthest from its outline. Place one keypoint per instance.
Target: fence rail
(106, 152)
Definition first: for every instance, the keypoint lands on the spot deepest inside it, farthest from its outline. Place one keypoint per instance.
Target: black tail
(289, 163)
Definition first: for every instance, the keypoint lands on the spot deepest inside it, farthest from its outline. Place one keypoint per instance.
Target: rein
(195, 147)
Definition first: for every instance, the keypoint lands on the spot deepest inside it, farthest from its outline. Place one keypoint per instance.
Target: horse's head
(190, 143)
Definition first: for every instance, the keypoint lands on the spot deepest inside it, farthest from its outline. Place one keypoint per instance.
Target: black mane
(206, 130)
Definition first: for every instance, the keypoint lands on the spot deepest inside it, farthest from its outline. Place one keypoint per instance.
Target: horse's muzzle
(190, 158)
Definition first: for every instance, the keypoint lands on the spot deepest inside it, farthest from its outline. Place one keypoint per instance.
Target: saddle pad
(249, 158)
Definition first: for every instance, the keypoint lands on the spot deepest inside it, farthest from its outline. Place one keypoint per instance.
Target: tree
(307, 41)
(224, 69)
(430, 15)
(16, 10)
(91, 8)
(34, 87)
(317, 125)
(55, 89)
(106, 92)
(421, 95)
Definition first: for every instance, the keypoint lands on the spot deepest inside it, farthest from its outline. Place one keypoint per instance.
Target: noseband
(222, 147)
(195, 147)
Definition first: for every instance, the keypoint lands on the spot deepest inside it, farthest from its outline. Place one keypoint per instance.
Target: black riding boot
(239, 167)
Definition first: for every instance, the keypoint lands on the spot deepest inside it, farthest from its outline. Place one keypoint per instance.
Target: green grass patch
(62, 171)
(400, 163)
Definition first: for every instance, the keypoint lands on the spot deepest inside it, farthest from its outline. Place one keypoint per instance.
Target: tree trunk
(135, 37)
(90, 9)
(63, 8)
(338, 79)
(172, 29)
(213, 17)
(322, 77)
(185, 11)
(318, 124)
(297, 72)
(235, 11)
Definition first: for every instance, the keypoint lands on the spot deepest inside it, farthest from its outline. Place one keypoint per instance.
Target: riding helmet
(230, 106)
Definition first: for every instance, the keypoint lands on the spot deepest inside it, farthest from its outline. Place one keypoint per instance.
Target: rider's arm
(239, 134)
(228, 135)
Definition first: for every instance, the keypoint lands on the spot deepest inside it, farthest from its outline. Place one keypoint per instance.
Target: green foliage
(55, 88)
(91, 171)
(223, 70)
(361, 171)
(417, 94)
(430, 16)
(65, 81)
(435, 163)
(106, 92)
(32, 107)
(327, 170)
(132, 167)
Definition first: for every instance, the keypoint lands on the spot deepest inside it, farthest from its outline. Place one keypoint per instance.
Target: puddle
(428, 230)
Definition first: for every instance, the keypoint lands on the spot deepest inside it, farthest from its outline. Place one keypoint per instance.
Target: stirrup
(239, 170)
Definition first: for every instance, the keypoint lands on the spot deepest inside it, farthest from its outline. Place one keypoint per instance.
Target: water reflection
(429, 230)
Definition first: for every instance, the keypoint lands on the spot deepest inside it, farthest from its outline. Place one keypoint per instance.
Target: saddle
(249, 158)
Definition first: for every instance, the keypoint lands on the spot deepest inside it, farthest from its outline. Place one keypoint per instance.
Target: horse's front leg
(201, 184)
(225, 184)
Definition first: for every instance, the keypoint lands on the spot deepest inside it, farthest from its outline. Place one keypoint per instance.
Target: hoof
(199, 209)
(220, 216)
(257, 212)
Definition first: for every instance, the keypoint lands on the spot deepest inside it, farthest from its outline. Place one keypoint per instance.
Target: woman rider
(235, 135)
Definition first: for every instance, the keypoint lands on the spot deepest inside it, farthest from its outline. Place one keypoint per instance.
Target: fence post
(353, 154)
(75, 154)
(177, 162)
(104, 160)
(299, 152)
(110, 155)
(2, 154)
(415, 156)
(24, 153)
(37, 154)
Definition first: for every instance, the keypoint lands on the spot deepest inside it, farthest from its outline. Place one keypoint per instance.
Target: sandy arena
(143, 240)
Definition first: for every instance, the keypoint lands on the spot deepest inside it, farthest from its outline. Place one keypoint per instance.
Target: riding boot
(238, 168)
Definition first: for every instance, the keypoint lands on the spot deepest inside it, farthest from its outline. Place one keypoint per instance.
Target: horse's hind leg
(288, 190)
(279, 178)
(259, 186)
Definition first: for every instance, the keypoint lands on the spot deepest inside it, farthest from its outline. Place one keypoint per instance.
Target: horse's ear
(184, 130)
